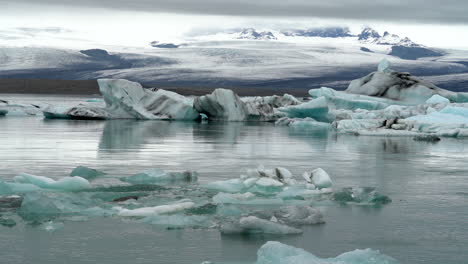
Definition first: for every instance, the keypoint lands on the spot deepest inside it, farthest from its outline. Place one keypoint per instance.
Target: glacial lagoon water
(427, 221)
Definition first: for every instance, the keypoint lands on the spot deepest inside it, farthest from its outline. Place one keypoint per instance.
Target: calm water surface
(427, 222)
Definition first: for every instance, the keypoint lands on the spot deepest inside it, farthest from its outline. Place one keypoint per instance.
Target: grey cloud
(432, 11)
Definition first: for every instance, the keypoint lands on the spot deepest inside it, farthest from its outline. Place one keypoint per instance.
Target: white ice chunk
(319, 178)
(156, 210)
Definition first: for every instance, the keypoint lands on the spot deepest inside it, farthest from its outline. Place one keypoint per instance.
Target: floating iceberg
(65, 184)
(222, 104)
(277, 253)
(317, 109)
(255, 225)
(126, 99)
(400, 86)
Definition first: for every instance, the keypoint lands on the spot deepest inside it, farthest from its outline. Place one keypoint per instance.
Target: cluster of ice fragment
(263, 201)
(386, 103)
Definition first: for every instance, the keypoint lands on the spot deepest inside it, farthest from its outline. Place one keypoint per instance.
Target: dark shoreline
(90, 87)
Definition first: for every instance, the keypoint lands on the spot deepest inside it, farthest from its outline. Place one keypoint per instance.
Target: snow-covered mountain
(371, 36)
(251, 33)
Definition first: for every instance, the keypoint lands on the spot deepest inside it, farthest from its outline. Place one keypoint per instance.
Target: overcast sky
(135, 22)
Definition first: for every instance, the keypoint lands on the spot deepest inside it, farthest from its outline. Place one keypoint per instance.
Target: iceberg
(317, 109)
(160, 176)
(346, 100)
(126, 99)
(74, 183)
(255, 225)
(86, 173)
(400, 86)
(222, 104)
(277, 253)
